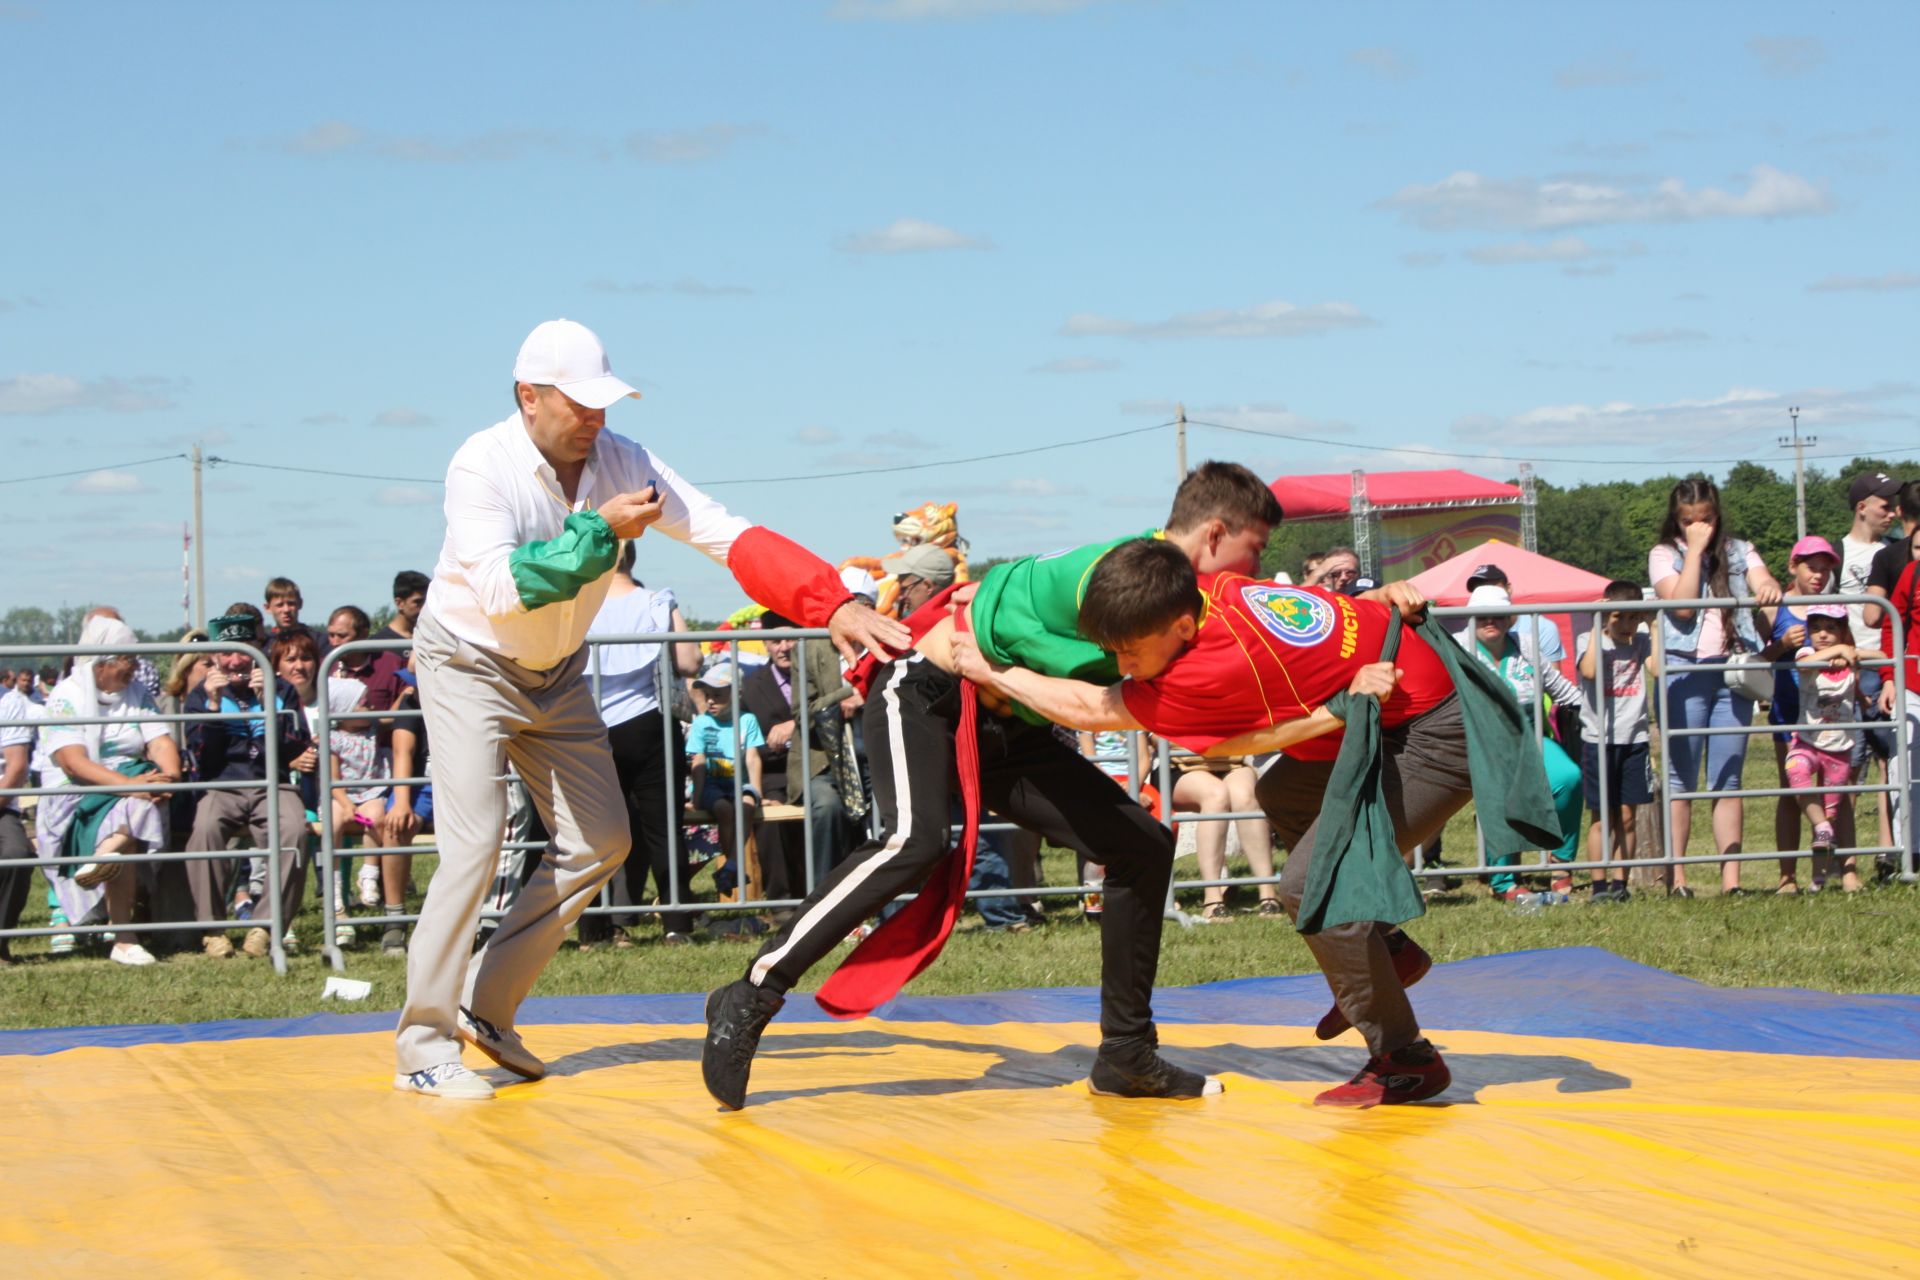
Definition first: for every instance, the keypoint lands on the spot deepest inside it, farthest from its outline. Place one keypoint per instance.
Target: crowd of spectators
(714, 738)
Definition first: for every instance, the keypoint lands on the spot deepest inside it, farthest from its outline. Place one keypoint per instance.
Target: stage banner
(1414, 543)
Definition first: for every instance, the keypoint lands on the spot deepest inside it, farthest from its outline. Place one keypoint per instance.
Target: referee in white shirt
(536, 508)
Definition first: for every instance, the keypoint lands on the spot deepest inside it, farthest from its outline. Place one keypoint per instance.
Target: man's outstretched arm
(1073, 703)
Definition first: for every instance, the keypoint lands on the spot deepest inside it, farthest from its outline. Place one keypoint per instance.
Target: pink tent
(1533, 578)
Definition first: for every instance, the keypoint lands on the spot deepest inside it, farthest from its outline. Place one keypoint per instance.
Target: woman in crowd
(1697, 558)
(189, 673)
(103, 825)
(1498, 646)
(1201, 785)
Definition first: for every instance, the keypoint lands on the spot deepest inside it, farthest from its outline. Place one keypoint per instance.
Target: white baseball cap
(717, 676)
(1487, 596)
(568, 355)
(860, 582)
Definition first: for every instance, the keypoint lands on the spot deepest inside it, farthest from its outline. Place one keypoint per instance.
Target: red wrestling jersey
(1267, 652)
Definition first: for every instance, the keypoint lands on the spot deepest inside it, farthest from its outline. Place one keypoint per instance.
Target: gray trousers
(482, 710)
(217, 819)
(1424, 776)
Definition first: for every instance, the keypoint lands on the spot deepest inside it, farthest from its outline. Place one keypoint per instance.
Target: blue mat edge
(1563, 992)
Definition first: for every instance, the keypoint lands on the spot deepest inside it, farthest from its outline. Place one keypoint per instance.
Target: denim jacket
(1681, 636)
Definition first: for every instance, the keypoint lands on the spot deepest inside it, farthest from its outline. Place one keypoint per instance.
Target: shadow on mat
(1012, 1068)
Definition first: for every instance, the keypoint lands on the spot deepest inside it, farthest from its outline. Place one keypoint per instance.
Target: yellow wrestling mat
(931, 1148)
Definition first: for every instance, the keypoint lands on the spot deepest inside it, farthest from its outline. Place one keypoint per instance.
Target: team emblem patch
(1294, 616)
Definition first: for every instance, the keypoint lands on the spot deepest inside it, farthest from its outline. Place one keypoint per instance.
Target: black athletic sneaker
(1131, 1067)
(736, 1015)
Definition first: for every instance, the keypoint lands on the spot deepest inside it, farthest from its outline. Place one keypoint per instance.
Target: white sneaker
(343, 935)
(93, 874)
(449, 1080)
(368, 879)
(502, 1044)
(131, 953)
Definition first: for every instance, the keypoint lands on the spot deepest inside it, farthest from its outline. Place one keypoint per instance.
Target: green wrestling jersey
(1027, 613)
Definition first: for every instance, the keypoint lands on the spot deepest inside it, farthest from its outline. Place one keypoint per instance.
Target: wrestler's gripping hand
(629, 514)
(856, 626)
(970, 664)
(1376, 679)
(1404, 596)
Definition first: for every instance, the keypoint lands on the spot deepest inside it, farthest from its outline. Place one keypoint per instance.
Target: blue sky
(824, 236)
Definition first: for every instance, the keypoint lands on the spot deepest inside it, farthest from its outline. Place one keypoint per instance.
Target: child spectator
(710, 750)
(1811, 567)
(1613, 732)
(1820, 755)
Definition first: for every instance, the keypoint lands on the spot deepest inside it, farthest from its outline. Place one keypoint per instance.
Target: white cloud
(686, 287)
(817, 435)
(687, 146)
(1603, 71)
(338, 137)
(1565, 249)
(1076, 364)
(1467, 200)
(1386, 63)
(910, 235)
(1709, 425)
(1885, 282)
(406, 495)
(110, 482)
(401, 416)
(1262, 320)
(1785, 56)
(32, 393)
(918, 10)
(1661, 337)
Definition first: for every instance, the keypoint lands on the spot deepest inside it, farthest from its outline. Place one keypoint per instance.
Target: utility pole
(1798, 444)
(1180, 443)
(199, 550)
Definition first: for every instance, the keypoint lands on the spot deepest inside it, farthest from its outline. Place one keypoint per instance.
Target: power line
(788, 479)
(61, 475)
(1491, 457)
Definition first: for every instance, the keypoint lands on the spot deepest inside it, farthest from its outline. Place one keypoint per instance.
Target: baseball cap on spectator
(860, 582)
(241, 628)
(1360, 584)
(717, 676)
(926, 562)
(568, 355)
(1812, 545)
(1488, 572)
(1826, 611)
(1872, 484)
(1494, 600)
(105, 631)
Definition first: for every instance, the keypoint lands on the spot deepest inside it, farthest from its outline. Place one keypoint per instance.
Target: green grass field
(1835, 942)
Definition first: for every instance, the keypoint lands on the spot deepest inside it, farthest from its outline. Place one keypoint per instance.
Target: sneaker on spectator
(502, 1044)
(93, 874)
(394, 941)
(1405, 1075)
(60, 944)
(257, 942)
(243, 910)
(369, 882)
(449, 1080)
(289, 944)
(217, 946)
(343, 935)
(131, 953)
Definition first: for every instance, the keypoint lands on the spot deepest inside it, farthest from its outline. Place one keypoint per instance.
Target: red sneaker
(1405, 1075)
(1410, 962)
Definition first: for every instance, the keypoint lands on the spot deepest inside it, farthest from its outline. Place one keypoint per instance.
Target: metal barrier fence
(331, 849)
(268, 712)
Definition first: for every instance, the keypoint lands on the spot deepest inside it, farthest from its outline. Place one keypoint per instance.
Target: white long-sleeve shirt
(502, 494)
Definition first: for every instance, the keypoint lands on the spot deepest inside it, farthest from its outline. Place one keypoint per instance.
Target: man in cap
(1545, 633)
(536, 506)
(921, 573)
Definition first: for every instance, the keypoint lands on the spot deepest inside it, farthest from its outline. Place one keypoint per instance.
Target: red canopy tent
(1331, 497)
(1532, 579)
